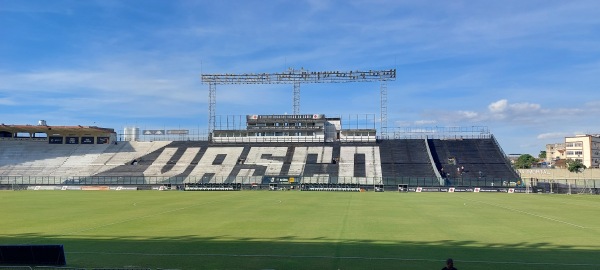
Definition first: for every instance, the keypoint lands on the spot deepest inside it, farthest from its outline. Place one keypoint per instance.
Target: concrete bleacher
(33, 158)
(407, 159)
(270, 157)
(216, 164)
(317, 165)
(384, 162)
(110, 152)
(134, 151)
(480, 158)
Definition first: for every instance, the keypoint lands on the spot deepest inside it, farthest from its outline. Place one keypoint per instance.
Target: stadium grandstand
(308, 152)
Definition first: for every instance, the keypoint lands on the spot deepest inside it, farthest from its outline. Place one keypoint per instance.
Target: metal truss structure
(297, 77)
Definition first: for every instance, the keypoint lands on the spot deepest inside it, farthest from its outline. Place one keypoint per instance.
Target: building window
(574, 144)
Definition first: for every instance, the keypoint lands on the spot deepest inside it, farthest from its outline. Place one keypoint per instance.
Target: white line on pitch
(577, 202)
(525, 212)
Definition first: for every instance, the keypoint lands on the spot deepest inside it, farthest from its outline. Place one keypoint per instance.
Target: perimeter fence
(537, 185)
(251, 180)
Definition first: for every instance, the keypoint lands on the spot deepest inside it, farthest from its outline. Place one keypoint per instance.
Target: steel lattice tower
(297, 77)
(383, 95)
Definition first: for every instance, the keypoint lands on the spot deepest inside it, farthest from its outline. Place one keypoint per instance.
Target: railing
(473, 132)
(562, 186)
(500, 148)
(178, 137)
(400, 135)
(270, 139)
(43, 181)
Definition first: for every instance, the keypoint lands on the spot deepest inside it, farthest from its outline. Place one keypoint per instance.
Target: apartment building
(555, 152)
(583, 147)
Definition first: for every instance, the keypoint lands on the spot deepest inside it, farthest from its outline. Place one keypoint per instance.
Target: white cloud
(498, 106)
(425, 122)
(524, 114)
(553, 135)
(525, 107)
(468, 114)
(502, 106)
(123, 90)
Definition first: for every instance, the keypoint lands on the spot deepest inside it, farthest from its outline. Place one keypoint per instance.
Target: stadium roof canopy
(55, 129)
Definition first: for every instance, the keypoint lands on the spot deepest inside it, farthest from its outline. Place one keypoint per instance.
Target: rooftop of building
(57, 129)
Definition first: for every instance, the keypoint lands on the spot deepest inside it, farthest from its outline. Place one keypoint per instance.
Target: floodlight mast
(297, 77)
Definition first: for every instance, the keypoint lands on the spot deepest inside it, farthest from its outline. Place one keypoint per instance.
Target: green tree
(525, 161)
(542, 155)
(575, 165)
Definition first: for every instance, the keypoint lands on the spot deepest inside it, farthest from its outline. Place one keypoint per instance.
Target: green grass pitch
(307, 230)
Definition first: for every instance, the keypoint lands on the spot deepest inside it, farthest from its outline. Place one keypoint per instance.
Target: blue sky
(529, 70)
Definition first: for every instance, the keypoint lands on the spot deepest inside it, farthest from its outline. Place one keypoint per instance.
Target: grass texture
(307, 230)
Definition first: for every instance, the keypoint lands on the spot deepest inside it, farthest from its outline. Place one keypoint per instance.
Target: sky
(527, 70)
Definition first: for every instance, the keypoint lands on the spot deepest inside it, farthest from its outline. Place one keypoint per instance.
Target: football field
(307, 230)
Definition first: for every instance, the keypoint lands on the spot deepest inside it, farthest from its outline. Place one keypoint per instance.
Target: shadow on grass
(290, 252)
